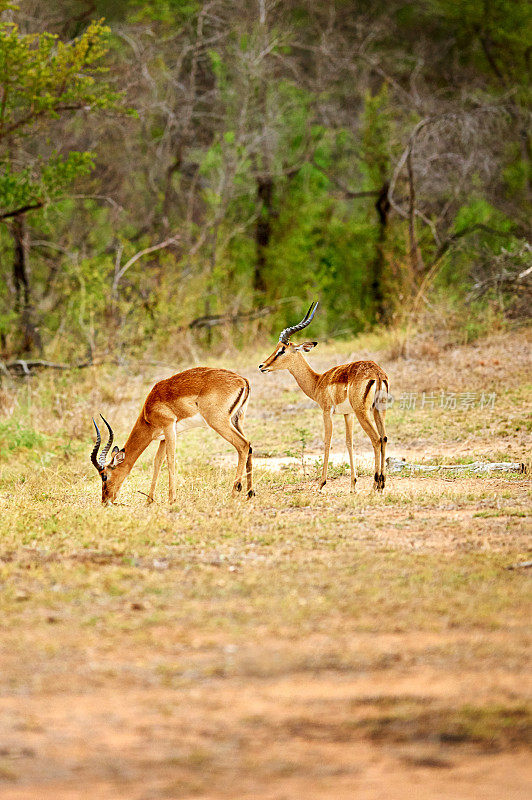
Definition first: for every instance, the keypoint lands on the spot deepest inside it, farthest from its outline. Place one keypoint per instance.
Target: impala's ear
(118, 457)
(306, 346)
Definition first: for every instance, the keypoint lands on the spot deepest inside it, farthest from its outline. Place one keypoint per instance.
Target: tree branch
(211, 320)
(24, 367)
(120, 272)
(478, 226)
(17, 212)
(415, 255)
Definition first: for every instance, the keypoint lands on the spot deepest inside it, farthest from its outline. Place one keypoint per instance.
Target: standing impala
(349, 389)
(197, 397)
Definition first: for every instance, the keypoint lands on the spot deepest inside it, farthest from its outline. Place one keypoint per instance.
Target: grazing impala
(349, 389)
(197, 397)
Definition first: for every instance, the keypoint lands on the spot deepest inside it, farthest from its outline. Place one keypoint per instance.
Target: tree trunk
(382, 206)
(174, 167)
(30, 338)
(263, 229)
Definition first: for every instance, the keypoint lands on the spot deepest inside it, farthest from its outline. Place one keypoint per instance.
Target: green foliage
(488, 228)
(494, 34)
(42, 181)
(262, 143)
(319, 249)
(168, 12)
(517, 174)
(14, 436)
(480, 211)
(376, 137)
(41, 79)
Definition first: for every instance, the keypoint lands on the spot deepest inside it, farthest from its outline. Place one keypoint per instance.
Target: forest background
(171, 165)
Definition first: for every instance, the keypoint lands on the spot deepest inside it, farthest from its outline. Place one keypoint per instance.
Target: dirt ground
(300, 645)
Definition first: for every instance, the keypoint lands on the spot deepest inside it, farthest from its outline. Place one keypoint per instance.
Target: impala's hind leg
(242, 446)
(379, 421)
(365, 422)
(170, 437)
(249, 473)
(249, 466)
(159, 458)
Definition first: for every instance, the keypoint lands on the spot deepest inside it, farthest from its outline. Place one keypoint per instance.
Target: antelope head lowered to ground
(215, 398)
(353, 389)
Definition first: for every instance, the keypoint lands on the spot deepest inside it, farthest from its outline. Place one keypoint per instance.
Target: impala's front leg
(170, 437)
(159, 458)
(349, 443)
(327, 436)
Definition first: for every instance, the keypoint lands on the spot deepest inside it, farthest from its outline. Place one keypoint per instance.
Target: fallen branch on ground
(23, 366)
(399, 464)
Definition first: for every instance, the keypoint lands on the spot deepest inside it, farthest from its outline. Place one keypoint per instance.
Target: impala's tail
(378, 388)
(380, 398)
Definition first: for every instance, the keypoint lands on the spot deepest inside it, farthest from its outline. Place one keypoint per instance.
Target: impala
(353, 389)
(197, 397)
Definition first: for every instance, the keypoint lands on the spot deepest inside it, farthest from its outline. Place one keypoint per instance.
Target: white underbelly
(196, 421)
(186, 424)
(344, 408)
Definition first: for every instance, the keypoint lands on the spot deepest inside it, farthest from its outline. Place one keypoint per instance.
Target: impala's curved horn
(307, 319)
(94, 454)
(103, 454)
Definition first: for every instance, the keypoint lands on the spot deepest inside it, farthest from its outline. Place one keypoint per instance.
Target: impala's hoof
(380, 480)
(251, 494)
(149, 501)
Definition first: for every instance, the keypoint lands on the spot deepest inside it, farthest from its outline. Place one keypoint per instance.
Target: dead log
(395, 465)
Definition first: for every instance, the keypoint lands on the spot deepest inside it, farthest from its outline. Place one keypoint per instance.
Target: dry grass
(298, 645)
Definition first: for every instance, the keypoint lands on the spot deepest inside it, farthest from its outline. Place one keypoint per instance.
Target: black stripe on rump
(368, 387)
(237, 401)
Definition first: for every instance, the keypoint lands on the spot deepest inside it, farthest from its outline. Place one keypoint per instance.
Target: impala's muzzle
(262, 368)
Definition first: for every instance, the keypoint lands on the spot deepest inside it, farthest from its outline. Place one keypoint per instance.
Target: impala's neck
(304, 375)
(138, 440)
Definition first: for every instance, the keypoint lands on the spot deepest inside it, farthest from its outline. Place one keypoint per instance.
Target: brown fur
(349, 384)
(216, 394)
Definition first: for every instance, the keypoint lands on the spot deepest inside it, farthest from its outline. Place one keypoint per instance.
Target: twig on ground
(520, 565)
